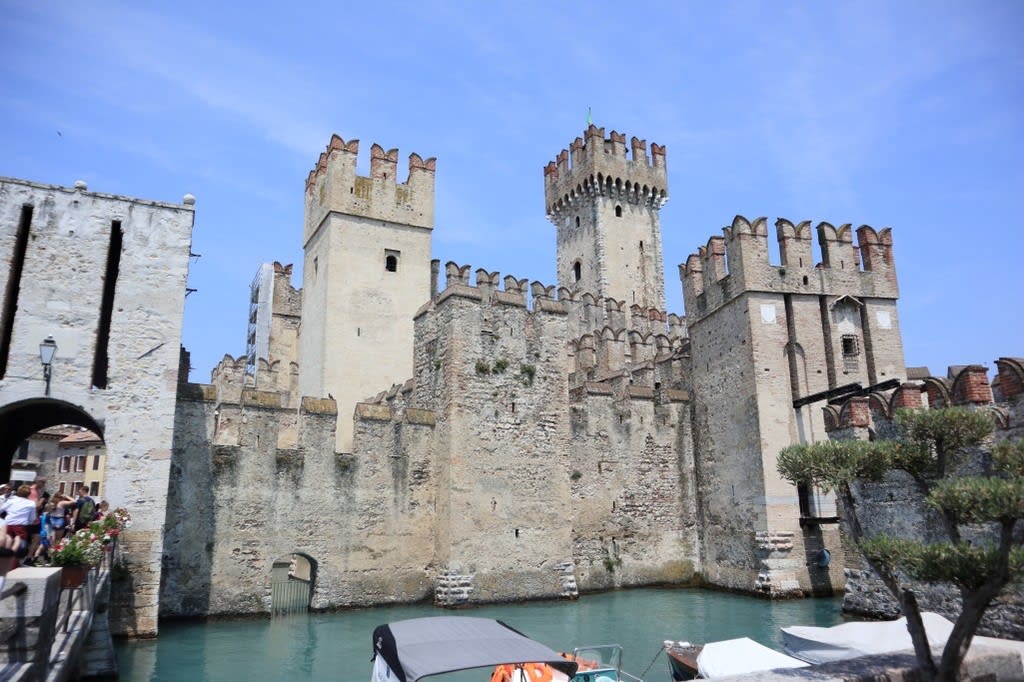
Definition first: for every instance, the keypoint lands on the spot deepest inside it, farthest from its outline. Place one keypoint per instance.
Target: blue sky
(909, 115)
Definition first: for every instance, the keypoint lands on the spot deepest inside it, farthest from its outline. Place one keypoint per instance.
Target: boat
(682, 659)
(410, 650)
(741, 656)
(866, 638)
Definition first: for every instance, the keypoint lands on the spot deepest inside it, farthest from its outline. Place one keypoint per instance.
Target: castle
(394, 433)
(487, 438)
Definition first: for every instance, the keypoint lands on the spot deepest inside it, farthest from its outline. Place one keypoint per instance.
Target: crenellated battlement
(333, 185)
(738, 262)
(585, 312)
(595, 165)
(963, 385)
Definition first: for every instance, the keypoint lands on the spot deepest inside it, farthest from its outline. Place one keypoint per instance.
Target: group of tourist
(34, 520)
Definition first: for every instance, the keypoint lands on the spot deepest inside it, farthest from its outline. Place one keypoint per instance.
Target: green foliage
(934, 441)
(931, 444)
(527, 373)
(889, 551)
(1008, 457)
(482, 368)
(831, 465)
(500, 366)
(575, 475)
(967, 566)
(979, 500)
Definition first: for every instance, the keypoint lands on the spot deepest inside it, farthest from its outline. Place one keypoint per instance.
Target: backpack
(86, 512)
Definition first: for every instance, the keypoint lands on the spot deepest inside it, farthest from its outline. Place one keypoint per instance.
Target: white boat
(741, 656)
(852, 640)
(410, 650)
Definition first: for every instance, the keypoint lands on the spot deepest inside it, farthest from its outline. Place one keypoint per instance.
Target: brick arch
(938, 392)
(879, 406)
(831, 416)
(906, 396)
(1010, 378)
(970, 386)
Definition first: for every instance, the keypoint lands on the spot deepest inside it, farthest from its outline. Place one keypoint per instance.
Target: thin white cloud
(174, 60)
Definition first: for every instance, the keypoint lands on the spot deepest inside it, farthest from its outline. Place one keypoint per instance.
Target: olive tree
(930, 446)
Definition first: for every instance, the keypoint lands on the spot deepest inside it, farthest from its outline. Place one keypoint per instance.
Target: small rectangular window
(65, 464)
(95, 462)
(75, 487)
(23, 450)
(80, 463)
(851, 347)
(94, 488)
(62, 487)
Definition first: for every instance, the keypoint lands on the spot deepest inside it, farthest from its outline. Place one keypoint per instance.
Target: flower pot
(73, 576)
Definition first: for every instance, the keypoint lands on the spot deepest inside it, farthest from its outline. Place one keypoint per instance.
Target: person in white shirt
(19, 513)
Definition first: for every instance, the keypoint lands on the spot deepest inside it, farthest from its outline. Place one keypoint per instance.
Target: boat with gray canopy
(410, 650)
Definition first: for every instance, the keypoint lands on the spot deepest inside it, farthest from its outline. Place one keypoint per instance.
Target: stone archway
(292, 578)
(19, 420)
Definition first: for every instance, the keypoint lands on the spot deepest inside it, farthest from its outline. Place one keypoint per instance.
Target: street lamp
(47, 349)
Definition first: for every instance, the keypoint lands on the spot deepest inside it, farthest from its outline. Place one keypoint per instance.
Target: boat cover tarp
(420, 647)
(739, 657)
(851, 640)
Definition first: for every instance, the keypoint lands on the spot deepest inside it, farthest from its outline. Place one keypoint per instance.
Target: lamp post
(47, 349)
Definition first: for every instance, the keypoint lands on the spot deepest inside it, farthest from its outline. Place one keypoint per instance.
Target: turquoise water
(336, 646)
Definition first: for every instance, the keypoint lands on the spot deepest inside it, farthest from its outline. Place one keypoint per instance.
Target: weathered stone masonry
(105, 276)
(547, 440)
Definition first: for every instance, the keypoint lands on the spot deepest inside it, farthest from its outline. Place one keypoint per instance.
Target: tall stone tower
(366, 272)
(604, 202)
(769, 346)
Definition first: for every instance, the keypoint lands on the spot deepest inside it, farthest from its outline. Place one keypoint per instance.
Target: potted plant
(109, 528)
(76, 554)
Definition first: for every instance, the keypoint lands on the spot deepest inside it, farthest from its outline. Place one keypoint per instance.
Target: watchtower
(605, 202)
(366, 271)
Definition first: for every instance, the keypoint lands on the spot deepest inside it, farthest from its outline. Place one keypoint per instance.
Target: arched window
(391, 260)
(576, 270)
(577, 221)
(618, 211)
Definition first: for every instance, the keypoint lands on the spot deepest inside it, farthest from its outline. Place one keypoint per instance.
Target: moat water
(336, 646)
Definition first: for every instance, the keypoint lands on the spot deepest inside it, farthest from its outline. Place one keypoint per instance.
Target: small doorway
(291, 584)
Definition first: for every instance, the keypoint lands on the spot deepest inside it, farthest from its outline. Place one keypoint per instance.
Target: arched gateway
(93, 289)
(21, 419)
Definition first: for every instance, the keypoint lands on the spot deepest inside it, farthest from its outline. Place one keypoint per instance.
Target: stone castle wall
(239, 501)
(75, 242)
(482, 478)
